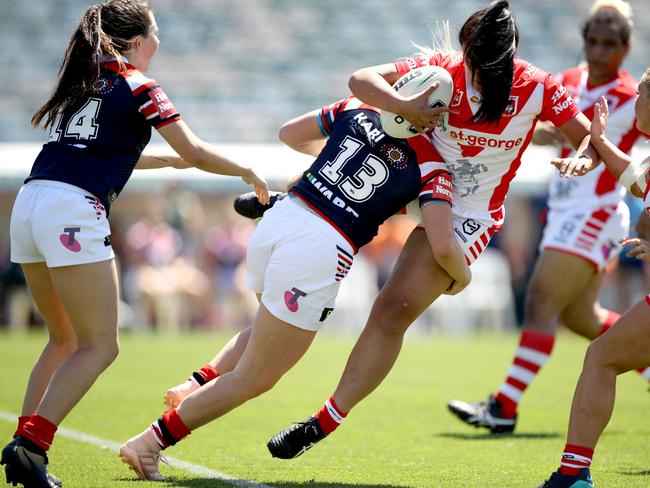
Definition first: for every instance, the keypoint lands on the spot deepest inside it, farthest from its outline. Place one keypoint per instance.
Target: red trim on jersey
(167, 122)
(320, 214)
(144, 87)
(647, 299)
(424, 150)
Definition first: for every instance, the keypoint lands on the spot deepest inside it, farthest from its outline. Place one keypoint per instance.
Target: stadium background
(237, 70)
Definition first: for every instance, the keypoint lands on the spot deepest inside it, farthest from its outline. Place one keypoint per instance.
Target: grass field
(401, 436)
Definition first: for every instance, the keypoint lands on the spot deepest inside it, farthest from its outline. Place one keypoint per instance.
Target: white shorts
(296, 260)
(59, 224)
(589, 233)
(472, 235)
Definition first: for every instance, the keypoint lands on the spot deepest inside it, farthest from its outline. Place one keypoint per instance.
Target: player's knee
(107, 352)
(392, 314)
(538, 308)
(600, 356)
(63, 344)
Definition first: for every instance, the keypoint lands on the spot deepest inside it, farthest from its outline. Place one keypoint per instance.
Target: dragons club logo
(291, 298)
(68, 240)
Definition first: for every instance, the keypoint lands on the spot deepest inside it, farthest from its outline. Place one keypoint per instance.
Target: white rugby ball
(416, 81)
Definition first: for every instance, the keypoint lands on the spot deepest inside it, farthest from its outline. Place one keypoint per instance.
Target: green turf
(401, 436)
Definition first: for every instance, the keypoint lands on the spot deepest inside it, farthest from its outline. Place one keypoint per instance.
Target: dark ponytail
(489, 39)
(105, 29)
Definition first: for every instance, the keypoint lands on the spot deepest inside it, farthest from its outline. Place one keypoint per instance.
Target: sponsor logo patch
(291, 298)
(68, 240)
(470, 226)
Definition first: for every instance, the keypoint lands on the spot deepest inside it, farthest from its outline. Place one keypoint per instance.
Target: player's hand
(640, 248)
(259, 185)
(599, 122)
(459, 283)
(575, 166)
(417, 111)
(643, 226)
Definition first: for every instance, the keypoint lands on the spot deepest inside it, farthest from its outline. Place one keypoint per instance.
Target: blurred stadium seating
(238, 69)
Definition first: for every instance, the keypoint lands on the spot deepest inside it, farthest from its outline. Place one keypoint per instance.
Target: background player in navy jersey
(100, 114)
(304, 247)
(626, 346)
(587, 217)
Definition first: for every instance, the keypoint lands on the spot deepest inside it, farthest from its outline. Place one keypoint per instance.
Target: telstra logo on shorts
(291, 298)
(68, 240)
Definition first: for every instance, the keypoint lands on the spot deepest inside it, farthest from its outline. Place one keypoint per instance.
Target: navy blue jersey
(96, 145)
(363, 176)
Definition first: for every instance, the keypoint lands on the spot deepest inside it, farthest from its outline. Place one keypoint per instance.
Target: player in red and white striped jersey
(626, 346)
(585, 222)
(497, 102)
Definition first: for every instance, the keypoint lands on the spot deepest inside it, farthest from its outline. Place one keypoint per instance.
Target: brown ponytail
(104, 30)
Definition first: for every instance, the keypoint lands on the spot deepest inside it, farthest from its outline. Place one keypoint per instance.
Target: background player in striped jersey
(496, 104)
(304, 246)
(585, 222)
(626, 346)
(100, 115)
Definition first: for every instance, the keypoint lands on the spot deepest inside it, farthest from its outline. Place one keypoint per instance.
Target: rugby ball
(413, 82)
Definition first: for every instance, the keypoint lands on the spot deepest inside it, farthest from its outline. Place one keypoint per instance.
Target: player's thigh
(48, 302)
(415, 281)
(626, 345)
(557, 279)
(89, 293)
(273, 348)
(581, 315)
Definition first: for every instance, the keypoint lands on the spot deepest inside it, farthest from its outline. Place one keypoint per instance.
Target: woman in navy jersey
(304, 247)
(100, 117)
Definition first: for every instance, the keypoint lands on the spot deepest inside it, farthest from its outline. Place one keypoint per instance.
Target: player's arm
(437, 220)
(304, 134)
(546, 134)
(205, 157)
(373, 85)
(631, 175)
(447, 252)
(156, 161)
(576, 131)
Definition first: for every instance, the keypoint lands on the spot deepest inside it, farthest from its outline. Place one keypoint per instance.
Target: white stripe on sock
(511, 392)
(521, 374)
(333, 413)
(532, 356)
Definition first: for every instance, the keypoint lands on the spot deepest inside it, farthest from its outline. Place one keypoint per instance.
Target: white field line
(195, 469)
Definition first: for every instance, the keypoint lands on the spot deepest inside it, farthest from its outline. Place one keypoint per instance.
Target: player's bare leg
(547, 296)
(625, 347)
(415, 282)
(62, 340)
(274, 347)
(224, 362)
(93, 313)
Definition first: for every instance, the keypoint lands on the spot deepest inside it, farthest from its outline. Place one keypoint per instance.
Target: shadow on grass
(645, 472)
(486, 436)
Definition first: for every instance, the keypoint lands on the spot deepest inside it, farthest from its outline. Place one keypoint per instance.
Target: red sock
(610, 320)
(169, 429)
(204, 375)
(22, 420)
(330, 416)
(532, 353)
(39, 430)
(575, 458)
